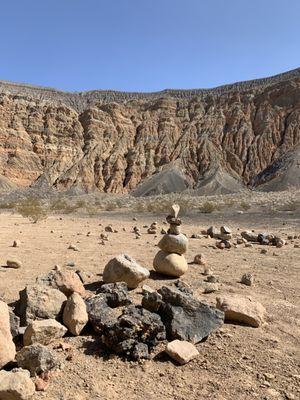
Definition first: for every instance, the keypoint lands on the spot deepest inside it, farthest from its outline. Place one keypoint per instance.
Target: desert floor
(236, 362)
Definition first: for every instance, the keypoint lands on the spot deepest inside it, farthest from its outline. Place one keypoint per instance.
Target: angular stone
(75, 315)
(247, 279)
(125, 269)
(40, 302)
(116, 294)
(213, 232)
(44, 332)
(250, 236)
(175, 210)
(242, 310)
(174, 244)
(7, 346)
(170, 264)
(187, 318)
(181, 351)
(68, 282)
(16, 385)
(37, 358)
(224, 229)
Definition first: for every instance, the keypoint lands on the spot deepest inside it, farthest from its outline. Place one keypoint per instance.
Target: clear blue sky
(146, 45)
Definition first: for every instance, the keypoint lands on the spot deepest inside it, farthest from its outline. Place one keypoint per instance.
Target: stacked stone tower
(170, 259)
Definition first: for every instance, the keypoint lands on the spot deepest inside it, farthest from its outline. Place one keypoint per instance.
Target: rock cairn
(170, 260)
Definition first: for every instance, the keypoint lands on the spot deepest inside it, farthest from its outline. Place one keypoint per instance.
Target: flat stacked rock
(170, 260)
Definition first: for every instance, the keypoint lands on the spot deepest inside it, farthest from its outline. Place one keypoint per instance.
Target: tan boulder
(68, 282)
(16, 385)
(125, 269)
(242, 309)
(172, 264)
(7, 346)
(174, 243)
(75, 315)
(44, 332)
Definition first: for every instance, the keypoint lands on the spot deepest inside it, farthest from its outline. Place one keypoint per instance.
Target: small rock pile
(170, 259)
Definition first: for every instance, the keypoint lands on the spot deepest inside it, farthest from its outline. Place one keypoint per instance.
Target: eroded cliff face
(113, 146)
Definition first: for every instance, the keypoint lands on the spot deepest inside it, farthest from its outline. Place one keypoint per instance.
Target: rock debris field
(150, 306)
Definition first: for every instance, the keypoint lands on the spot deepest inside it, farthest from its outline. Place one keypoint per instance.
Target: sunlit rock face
(113, 141)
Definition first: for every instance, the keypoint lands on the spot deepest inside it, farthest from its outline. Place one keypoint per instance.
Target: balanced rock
(7, 346)
(174, 243)
(40, 302)
(242, 310)
(171, 264)
(75, 315)
(44, 332)
(187, 318)
(123, 268)
(181, 351)
(16, 385)
(37, 359)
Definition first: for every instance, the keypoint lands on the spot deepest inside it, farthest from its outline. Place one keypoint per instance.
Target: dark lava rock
(184, 287)
(265, 238)
(135, 333)
(101, 316)
(116, 294)
(152, 301)
(14, 323)
(37, 359)
(187, 318)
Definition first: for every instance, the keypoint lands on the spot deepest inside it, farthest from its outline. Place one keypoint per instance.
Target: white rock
(123, 268)
(181, 351)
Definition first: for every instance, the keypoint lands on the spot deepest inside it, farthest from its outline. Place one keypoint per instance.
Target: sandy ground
(236, 362)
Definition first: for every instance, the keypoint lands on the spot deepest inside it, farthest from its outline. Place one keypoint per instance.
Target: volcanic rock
(37, 358)
(187, 318)
(135, 333)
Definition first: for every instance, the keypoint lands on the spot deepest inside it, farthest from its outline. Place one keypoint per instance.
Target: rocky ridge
(113, 141)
